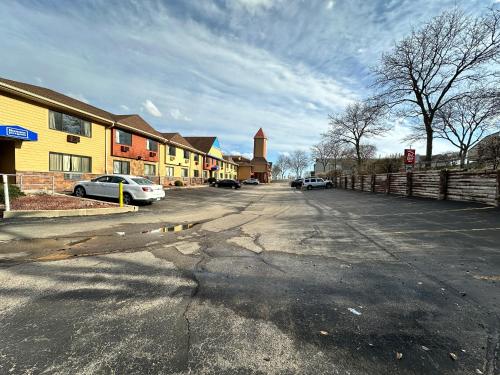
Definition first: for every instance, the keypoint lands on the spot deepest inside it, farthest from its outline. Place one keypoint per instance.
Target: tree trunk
(358, 155)
(428, 149)
(462, 155)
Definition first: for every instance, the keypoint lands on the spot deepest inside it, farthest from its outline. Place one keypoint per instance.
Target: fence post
(345, 182)
(443, 184)
(497, 200)
(409, 184)
(388, 183)
(374, 181)
(352, 182)
(6, 192)
(362, 182)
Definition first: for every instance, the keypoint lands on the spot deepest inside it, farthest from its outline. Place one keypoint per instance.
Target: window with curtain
(196, 157)
(169, 171)
(69, 163)
(69, 124)
(149, 169)
(123, 138)
(196, 173)
(186, 154)
(151, 145)
(171, 150)
(121, 167)
(184, 172)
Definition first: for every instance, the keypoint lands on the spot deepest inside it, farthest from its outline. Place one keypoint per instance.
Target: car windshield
(142, 181)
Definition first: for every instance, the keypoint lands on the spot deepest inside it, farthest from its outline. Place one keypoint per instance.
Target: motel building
(214, 163)
(49, 140)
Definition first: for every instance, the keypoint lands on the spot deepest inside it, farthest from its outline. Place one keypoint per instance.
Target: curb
(64, 213)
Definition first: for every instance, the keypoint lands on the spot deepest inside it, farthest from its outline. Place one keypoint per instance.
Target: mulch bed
(55, 202)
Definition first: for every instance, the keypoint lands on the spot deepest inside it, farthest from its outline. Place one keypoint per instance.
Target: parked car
(135, 188)
(297, 182)
(251, 181)
(233, 184)
(316, 183)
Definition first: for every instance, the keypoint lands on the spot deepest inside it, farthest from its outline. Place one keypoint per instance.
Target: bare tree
(488, 150)
(321, 153)
(359, 121)
(283, 163)
(463, 122)
(299, 160)
(430, 68)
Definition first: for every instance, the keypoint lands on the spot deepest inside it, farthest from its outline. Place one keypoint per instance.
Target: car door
(98, 186)
(320, 182)
(113, 188)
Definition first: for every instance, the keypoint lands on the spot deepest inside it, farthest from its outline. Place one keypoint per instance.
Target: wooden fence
(474, 186)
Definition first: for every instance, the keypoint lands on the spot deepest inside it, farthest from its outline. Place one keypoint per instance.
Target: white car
(251, 181)
(316, 183)
(134, 188)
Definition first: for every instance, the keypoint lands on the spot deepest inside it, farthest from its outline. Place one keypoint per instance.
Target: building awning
(17, 132)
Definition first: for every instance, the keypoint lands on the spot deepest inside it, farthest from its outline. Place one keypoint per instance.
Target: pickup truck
(316, 183)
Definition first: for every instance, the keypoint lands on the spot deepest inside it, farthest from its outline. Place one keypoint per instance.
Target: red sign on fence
(410, 156)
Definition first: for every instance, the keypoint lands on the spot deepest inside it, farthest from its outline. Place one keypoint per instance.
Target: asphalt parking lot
(269, 280)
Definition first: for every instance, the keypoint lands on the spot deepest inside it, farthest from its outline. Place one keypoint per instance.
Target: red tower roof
(260, 134)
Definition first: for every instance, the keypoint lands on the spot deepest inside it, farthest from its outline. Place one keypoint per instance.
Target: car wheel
(329, 186)
(216, 185)
(80, 191)
(309, 187)
(127, 199)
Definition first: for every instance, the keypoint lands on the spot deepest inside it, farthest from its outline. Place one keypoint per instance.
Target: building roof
(241, 160)
(38, 93)
(202, 143)
(179, 140)
(138, 123)
(260, 134)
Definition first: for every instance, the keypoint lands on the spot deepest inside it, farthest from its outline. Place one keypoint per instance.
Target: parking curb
(74, 212)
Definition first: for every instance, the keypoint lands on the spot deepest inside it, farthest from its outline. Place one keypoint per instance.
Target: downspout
(106, 146)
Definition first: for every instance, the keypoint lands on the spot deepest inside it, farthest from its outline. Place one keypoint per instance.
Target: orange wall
(137, 149)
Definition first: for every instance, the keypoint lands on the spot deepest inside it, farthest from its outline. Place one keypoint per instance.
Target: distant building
(332, 165)
(258, 167)
(473, 152)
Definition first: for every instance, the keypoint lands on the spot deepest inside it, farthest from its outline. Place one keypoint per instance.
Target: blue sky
(214, 67)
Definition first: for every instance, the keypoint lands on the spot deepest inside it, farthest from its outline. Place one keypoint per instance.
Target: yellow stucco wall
(178, 162)
(34, 156)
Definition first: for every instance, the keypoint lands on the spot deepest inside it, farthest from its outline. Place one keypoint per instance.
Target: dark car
(297, 183)
(233, 184)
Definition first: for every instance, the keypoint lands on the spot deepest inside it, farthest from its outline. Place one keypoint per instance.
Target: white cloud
(311, 106)
(178, 115)
(330, 4)
(150, 107)
(124, 107)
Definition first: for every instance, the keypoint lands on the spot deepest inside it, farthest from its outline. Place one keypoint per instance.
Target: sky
(216, 67)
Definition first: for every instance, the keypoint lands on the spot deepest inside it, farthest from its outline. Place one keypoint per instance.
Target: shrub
(178, 183)
(14, 192)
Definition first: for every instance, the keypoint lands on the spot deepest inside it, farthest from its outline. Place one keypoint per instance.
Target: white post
(6, 192)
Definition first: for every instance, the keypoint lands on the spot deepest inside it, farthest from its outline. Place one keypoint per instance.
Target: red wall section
(137, 149)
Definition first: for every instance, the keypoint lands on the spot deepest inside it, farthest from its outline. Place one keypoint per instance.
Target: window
(205, 174)
(142, 181)
(196, 157)
(121, 167)
(150, 169)
(69, 163)
(169, 171)
(184, 172)
(123, 138)
(69, 124)
(196, 173)
(186, 154)
(117, 180)
(171, 150)
(151, 145)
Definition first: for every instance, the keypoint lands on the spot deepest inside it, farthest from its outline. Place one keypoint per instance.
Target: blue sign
(17, 132)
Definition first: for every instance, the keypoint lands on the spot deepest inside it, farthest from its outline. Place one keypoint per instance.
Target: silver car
(134, 188)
